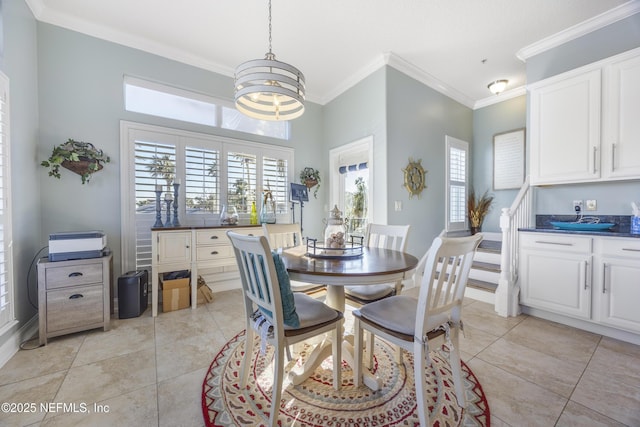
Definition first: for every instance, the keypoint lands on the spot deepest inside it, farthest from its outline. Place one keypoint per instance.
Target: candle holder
(158, 222)
(167, 223)
(176, 222)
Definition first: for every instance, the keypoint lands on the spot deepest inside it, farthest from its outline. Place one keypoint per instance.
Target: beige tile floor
(149, 372)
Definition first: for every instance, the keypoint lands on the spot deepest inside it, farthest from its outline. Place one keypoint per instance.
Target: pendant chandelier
(267, 89)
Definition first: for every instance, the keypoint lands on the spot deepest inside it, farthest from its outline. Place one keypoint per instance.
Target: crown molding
(503, 96)
(353, 79)
(422, 76)
(606, 18)
(47, 15)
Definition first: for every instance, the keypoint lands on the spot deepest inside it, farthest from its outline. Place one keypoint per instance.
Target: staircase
(485, 271)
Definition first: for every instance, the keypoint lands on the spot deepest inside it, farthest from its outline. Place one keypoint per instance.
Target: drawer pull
(214, 237)
(554, 243)
(75, 274)
(214, 253)
(604, 278)
(631, 249)
(76, 296)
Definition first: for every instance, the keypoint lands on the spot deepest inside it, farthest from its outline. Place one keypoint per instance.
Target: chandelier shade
(268, 89)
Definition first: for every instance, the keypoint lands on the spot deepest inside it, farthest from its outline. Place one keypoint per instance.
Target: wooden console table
(193, 248)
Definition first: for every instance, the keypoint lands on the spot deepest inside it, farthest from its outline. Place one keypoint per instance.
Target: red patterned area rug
(316, 403)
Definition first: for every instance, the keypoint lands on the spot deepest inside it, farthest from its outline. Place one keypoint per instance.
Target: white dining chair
(284, 236)
(411, 323)
(379, 236)
(283, 317)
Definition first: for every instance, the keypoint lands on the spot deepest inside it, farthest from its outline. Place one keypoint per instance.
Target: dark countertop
(621, 229)
(196, 227)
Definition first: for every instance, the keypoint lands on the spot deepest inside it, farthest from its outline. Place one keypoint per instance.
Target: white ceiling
(336, 43)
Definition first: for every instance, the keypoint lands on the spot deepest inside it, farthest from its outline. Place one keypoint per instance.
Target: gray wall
(81, 97)
(19, 63)
(418, 119)
(488, 121)
(613, 197)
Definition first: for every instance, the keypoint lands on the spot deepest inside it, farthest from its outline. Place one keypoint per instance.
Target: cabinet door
(621, 140)
(619, 292)
(565, 129)
(174, 247)
(556, 281)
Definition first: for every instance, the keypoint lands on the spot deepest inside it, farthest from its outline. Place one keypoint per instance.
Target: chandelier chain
(269, 26)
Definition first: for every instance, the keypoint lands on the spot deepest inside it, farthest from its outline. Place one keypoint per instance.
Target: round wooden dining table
(374, 266)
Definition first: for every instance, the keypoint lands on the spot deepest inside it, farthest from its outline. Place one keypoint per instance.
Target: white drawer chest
(73, 296)
(195, 248)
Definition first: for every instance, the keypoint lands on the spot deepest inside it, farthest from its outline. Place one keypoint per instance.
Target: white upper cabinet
(621, 127)
(583, 123)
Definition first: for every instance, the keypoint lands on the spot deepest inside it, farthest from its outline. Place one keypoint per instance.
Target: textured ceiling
(456, 46)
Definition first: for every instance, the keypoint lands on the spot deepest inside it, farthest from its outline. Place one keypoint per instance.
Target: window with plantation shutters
(210, 171)
(6, 269)
(155, 165)
(202, 183)
(457, 182)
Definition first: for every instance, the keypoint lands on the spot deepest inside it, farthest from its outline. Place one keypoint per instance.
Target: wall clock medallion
(414, 178)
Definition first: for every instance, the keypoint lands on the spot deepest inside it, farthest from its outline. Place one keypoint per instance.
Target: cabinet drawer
(208, 253)
(628, 248)
(72, 275)
(556, 243)
(212, 237)
(74, 307)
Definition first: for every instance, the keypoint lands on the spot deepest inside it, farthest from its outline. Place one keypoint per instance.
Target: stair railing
(517, 216)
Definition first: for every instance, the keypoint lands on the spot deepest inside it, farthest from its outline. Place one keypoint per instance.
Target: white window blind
(154, 169)
(211, 171)
(457, 164)
(202, 184)
(6, 269)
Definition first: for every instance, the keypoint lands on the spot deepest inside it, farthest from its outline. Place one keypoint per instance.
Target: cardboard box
(176, 294)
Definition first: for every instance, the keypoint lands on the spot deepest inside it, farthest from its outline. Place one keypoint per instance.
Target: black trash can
(133, 289)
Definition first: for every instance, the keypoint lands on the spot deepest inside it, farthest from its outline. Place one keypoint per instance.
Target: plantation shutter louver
(6, 279)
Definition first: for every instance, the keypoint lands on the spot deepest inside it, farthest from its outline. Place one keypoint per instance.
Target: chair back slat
(283, 235)
(392, 237)
(445, 279)
(257, 274)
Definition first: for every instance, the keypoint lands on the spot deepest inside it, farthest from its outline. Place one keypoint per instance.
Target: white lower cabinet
(555, 273)
(585, 277)
(617, 279)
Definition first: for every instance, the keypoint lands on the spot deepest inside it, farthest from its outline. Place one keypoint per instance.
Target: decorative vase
(268, 213)
(475, 230)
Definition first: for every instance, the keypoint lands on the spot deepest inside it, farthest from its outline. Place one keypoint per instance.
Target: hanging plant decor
(310, 177)
(77, 156)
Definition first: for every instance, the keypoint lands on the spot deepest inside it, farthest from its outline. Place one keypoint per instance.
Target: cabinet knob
(76, 296)
(75, 274)
(214, 253)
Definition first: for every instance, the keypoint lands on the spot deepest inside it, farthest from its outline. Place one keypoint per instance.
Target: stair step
(492, 246)
(486, 266)
(482, 285)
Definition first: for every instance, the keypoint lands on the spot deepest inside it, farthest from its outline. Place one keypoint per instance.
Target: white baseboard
(12, 345)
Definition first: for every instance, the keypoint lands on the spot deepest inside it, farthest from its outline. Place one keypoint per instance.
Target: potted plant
(311, 178)
(77, 156)
(478, 208)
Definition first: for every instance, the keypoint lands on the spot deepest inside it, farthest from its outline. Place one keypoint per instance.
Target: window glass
(234, 120)
(202, 181)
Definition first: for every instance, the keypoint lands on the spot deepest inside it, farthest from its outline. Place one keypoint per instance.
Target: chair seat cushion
(369, 292)
(311, 311)
(397, 313)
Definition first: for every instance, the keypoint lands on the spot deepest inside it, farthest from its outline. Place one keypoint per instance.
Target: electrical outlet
(577, 205)
(592, 205)
(398, 205)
